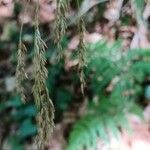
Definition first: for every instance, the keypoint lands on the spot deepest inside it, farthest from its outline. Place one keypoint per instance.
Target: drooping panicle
(61, 25)
(43, 102)
(20, 70)
(81, 52)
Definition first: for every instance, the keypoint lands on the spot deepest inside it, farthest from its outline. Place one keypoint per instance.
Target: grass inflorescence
(81, 53)
(20, 70)
(43, 102)
(61, 25)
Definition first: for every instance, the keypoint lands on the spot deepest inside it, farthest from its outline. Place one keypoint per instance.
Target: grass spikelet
(81, 53)
(20, 70)
(40, 92)
(61, 25)
(45, 124)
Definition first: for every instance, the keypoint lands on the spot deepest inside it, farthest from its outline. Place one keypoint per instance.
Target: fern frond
(85, 130)
(89, 129)
(102, 121)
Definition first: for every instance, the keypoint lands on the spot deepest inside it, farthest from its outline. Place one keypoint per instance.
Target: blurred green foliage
(117, 85)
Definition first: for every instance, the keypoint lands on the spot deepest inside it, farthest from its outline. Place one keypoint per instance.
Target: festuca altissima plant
(43, 102)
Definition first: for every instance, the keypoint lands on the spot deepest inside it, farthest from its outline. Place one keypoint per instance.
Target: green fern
(96, 125)
(106, 63)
